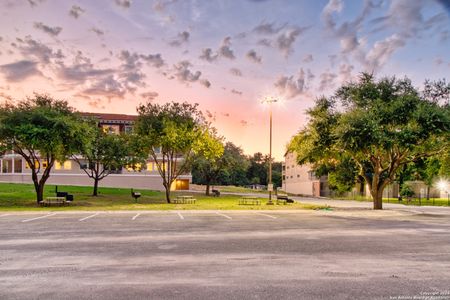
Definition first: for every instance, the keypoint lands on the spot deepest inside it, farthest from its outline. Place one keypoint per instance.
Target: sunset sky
(226, 55)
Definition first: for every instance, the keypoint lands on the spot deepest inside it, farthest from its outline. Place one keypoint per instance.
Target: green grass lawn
(16, 197)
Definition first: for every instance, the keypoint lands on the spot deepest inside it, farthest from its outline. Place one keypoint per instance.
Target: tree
(171, 133)
(209, 160)
(234, 173)
(102, 155)
(42, 130)
(381, 125)
(276, 174)
(257, 172)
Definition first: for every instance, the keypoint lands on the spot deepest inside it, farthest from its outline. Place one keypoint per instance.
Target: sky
(226, 55)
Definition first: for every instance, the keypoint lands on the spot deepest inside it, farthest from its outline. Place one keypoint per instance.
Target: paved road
(344, 254)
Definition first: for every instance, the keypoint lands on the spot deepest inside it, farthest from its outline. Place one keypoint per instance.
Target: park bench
(49, 201)
(216, 193)
(67, 197)
(184, 200)
(249, 200)
(283, 199)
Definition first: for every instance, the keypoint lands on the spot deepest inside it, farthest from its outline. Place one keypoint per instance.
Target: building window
(67, 165)
(134, 168)
(157, 150)
(128, 129)
(36, 165)
(284, 177)
(298, 175)
(111, 129)
(311, 175)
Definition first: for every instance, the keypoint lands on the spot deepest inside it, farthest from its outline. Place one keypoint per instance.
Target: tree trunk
(39, 187)
(95, 192)
(35, 179)
(428, 193)
(167, 193)
(40, 192)
(378, 200)
(376, 191)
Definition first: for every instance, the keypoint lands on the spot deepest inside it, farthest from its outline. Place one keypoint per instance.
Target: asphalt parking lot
(225, 255)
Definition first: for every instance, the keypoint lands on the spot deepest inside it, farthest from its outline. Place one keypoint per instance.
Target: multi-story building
(300, 180)
(14, 169)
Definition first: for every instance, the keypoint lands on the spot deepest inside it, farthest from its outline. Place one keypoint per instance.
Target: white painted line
(88, 217)
(37, 218)
(4, 215)
(269, 216)
(137, 215)
(181, 216)
(228, 217)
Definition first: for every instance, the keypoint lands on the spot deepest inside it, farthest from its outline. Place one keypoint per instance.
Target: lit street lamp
(270, 184)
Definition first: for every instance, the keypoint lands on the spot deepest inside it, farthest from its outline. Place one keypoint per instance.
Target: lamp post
(270, 185)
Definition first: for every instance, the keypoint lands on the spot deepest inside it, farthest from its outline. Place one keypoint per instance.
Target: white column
(12, 163)
(1, 166)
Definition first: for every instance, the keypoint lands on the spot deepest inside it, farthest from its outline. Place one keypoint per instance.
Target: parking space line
(37, 218)
(88, 217)
(181, 216)
(228, 217)
(266, 215)
(137, 215)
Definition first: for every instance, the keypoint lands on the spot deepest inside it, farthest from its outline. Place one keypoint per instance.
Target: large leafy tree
(237, 164)
(209, 160)
(381, 125)
(103, 154)
(42, 130)
(172, 132)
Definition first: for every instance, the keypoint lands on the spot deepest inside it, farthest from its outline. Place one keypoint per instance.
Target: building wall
(150, 182)
(70, 173)
(299, 179)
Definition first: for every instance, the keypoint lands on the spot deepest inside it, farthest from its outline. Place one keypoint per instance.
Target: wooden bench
(184, 200)
(54, 201)
(249, 200)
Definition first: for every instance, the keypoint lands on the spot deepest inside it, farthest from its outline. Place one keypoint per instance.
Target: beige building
(300, 180)
(14, 169)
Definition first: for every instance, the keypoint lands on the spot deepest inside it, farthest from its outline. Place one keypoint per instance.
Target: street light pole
(270, 185)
